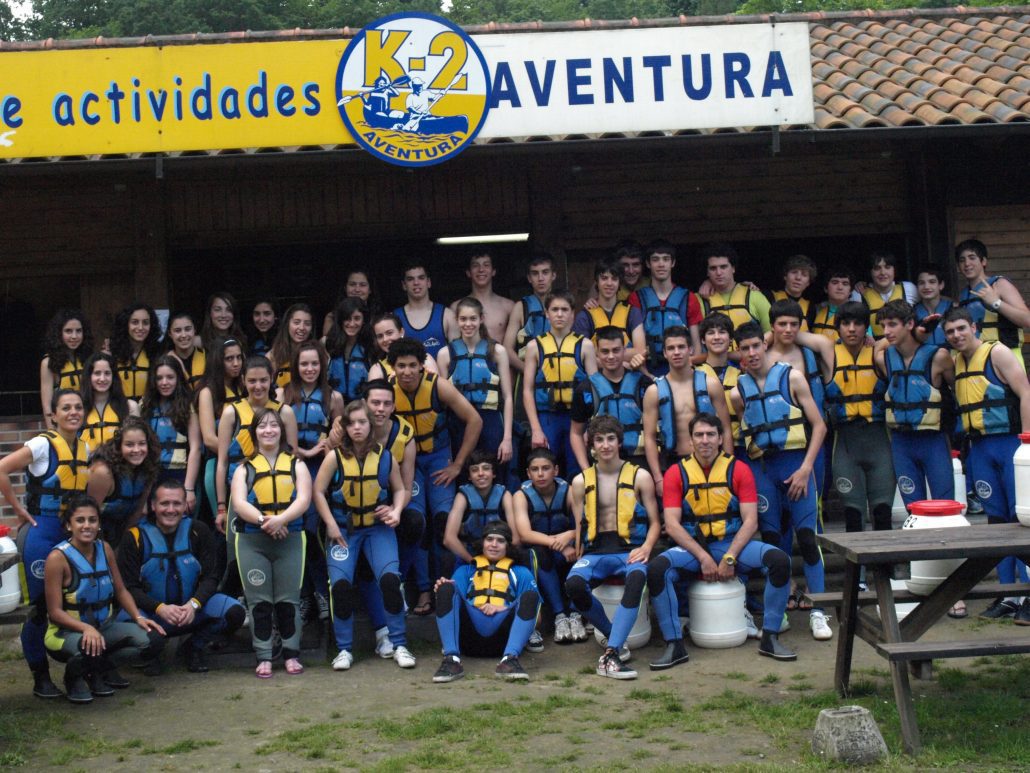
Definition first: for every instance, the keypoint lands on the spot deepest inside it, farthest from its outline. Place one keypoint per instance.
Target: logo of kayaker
(413, 89)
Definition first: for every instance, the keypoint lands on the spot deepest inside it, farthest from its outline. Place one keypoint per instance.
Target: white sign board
(648, 79)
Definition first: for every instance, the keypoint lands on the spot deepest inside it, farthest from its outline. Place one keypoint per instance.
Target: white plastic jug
(925, 576)
(960, 480)
(717, 614)
(10, 580)
(1021, 462)
(609, 594)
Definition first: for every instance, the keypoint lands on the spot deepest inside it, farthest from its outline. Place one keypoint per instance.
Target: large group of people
(490, 460)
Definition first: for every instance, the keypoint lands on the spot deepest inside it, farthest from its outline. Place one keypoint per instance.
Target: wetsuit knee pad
(342, 595)
(771, 537)
(412, 524)
(882, 518)
(656, 575)
(445, 599)
(390, 585)
(262, 614)
(634, 590)
(809, 549)
(528, 603)
(778, 565)
(579, 592)
(286, 617)
(853, 519)
(234, 618)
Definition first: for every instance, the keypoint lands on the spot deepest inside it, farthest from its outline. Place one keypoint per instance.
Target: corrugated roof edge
(249, 36)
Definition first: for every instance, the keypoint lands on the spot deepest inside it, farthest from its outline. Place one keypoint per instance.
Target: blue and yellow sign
(413, 89)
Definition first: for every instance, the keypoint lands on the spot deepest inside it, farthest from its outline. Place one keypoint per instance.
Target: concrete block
(848, 734)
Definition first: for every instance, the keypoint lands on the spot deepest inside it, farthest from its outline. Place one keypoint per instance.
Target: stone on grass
(848, 734)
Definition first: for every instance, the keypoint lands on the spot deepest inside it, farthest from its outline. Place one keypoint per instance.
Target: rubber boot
(43, 686)
(74, 681)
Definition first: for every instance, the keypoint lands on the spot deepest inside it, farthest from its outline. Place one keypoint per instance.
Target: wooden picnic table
(982, 546)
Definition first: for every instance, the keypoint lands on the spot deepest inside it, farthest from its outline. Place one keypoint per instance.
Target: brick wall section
(14, 431)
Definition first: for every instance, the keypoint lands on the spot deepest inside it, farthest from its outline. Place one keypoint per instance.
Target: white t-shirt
(40, 448)
(909, 289)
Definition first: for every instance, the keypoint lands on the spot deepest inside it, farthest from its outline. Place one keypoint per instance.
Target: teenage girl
(349, 344)
(221, 321)
(135, 342)
(121, 472)
(298, 328)
(168, 407)
(103, 400)
(181, 341)
(68, 344)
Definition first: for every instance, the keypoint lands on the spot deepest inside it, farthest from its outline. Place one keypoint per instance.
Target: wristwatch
(261, 519)
(996, 305)
(195, 604)
(729, 560)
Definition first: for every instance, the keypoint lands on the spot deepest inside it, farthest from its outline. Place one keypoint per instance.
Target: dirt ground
(718, 710)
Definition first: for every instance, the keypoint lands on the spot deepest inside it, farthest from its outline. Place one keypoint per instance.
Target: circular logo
(413, 89)
(983, 489)
(38, 568)
(256, 577)
(583, 562)
(906, 485)
(415, 489)
(338, 553)
(763, 504)
(844, 485)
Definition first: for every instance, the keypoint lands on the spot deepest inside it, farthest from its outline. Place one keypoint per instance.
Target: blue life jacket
(175, 447)
(548, 517)
(534, 318)
(624, 405)
(170, 574)
(912, 401)
(433, 336)
(814, 377)
(475, 375)
(347, 375)
(89, 595)
(937, 338)
(658, 317)
(771, 421)
(260, 346)
(125, 498)
(667, 410)
(312, 422)
(479, 514)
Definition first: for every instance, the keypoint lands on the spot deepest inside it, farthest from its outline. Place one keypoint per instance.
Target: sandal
(424, 605)
(958, 611)
(798, 601)
(264, 670)
(294, 666)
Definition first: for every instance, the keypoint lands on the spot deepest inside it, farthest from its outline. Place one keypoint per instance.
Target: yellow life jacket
(134, 374)
(363, 485)
(804, 303)
(856, 392)
(98, 427)
(737, 307)
(824, 321)
(245, 423)
(422, 411)
(558, 371)
(618, 318)
(987, 406)
(194, 367)
(711, 510)
(67, 474)
(387, 369)
(491, 583)
(630, 516)
(875, 303)
(400, 434)
(70, 376)
(283, 376)
(729, 380)
(272, 489)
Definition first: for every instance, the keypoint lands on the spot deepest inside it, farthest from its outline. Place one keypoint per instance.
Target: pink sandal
(263, 670)
(294, 666)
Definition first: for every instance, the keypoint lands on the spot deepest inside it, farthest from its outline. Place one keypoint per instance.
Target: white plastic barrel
(1021, 461)
(610, 595)
(925, 576)
(960, 480)
(717, 614)
(10, 580)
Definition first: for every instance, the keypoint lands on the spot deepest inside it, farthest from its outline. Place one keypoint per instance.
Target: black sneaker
(1023, 615)
(115, 679)
(99, 687)
(611, 665)
(675, 653)
(509, 668)
(77, 689)
(770, 647)
(450, 670)
(1000, 608)
(196, 661)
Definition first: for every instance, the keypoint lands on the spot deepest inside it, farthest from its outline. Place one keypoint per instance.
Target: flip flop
(958, 611)
(263, 670)
(294, 666)
(423, 608)
(803, 604)
(793, 599)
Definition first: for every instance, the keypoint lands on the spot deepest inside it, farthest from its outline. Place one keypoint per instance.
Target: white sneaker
(578, 630)
(624, 654)
(536, 642)
(562, 629)
(820, 629)
(752, 629)
(384, 647)
(343, 661)
(403, 657)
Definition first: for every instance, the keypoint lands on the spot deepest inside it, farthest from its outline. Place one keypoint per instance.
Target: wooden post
(899, 671)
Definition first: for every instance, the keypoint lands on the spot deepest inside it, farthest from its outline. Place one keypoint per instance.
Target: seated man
(487, 609)
(711, 513)
(169, 565)
(616, 516)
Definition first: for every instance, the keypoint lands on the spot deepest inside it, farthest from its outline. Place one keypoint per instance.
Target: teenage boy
(555, 364)
(609, 311)
(717, 336)
(784, 432)
(838, 292)
(431, 323)
(477, 504)
(630, 256)
(616, 517)
(930, 284)
(612, 391)
(663, 305)
(528, 318)
(672, 401)
(799, 271)
(883, 288)
(711, 513)
(993, 302)
(994, 402)
(543, 522)
(496, 308)
(736, 300)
